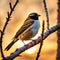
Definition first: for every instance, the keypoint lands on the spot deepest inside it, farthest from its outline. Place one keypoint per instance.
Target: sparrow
(28, 30)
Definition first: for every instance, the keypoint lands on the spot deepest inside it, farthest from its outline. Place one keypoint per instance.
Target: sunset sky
(22, 10)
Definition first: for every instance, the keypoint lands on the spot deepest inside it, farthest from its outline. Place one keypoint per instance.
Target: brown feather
(27, 34)
(25, 26)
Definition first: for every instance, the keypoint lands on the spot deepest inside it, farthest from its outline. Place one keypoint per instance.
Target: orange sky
(19, 15)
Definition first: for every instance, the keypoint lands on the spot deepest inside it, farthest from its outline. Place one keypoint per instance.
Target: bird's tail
(11, 44)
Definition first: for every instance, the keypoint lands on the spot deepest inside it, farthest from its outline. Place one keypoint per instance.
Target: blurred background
(22, 10)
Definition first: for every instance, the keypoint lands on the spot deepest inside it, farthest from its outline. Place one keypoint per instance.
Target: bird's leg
(23, 42)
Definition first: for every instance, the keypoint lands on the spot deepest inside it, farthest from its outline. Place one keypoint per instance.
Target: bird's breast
(35, 27)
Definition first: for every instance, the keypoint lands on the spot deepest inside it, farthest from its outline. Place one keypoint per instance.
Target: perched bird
(28, 30)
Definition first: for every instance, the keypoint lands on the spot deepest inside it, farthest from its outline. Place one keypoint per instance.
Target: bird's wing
(26, 25)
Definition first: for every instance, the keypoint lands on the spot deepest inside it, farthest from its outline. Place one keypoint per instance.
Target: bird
(28, 30)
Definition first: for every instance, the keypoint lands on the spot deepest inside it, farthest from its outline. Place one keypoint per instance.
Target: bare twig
(9, 14)
(0, 30)
(41, 43)
(7, 20)
(58, 32)
(47, 16)
(10, 5)
(34, 42)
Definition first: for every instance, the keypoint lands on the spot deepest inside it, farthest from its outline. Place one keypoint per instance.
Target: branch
(6, 23)
(39, 51)
(9, 14)
(47, 16)
(34, 42)
(0, 30)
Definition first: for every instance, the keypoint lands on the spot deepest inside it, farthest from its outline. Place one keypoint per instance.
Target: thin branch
(7, 20)
(10, 5)
(0, 31)
(34, 42)
(46, 11)
(41, 43)
(9, 14)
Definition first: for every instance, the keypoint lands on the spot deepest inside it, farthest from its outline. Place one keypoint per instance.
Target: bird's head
(34, 16)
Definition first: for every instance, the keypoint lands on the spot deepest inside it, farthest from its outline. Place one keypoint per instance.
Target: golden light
(29, 51)
(20, 43)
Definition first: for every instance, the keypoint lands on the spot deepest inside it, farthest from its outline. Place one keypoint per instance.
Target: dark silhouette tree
(58, 34)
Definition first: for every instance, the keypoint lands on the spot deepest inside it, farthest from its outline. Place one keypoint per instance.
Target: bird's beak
(39, 15)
